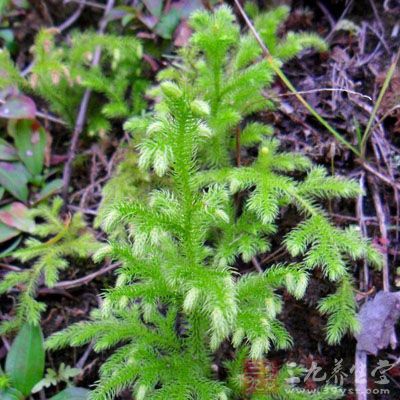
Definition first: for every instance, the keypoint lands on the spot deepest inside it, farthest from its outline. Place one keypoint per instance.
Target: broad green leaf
(30, 141)
(1, 192)
(25, 360)
(7, 233)
(72, 393)
(154, 6)
(18, 107)
(168, 23)
(14, 178)
(7, 152)
(11, 394)
(16, 215)
(49, 189)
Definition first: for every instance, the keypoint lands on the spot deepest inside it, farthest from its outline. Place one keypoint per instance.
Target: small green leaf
(25, 360)
(7, 152)
(30, 141)
(11, 394)
(16, 215)
(14, 178)
(72, 393)
(7, 233)
(49, 189)
(168, 23)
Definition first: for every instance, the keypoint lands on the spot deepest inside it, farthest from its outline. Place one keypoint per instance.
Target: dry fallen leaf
(378, 318)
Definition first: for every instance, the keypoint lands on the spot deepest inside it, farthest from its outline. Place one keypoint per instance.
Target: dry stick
(86, 279)
(87, 3)
(381, 176)
(289, 84)
(361, 358)
(363, 229)
(380, 213)
(326, 90)
(71, 20)
(256, 265)
(360, 374)
(80, 122)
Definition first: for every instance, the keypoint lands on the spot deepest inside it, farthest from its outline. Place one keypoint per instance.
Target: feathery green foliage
(61, 239)
(261, 380)
(61, 73)
(179, 294)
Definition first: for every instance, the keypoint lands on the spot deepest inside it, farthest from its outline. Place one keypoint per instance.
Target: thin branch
(81, 119)
(327, 90)
(380, 213)
(381, 176)
(86, 279)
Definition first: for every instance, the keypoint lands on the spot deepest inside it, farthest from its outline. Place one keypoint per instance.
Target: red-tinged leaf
(14, 178)
(150, 21)
(25, 360)
(30, 141)
(16, 215)
(182, 34)
(7, 152)
(18, 107)
(7, 233)
(187, 7)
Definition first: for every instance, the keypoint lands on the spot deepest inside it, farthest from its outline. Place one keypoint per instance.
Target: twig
(383, 231)
(71, 20)
(6, 343)
(10, 267)
(334, 24)
(360, 374)
(87, 3)
(86, 279)
(381, 176)
(363, 229)
(361, 358)
(85, 355)
(83, 110)
(256, 264)
(327, 90)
